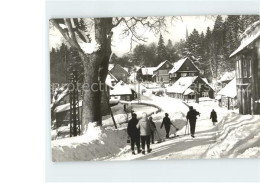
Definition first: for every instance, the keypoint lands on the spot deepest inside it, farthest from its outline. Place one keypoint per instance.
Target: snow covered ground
(103, 143)
(238, 136)
(234, 136)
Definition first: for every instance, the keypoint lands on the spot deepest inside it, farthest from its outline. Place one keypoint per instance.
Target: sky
(175, 31)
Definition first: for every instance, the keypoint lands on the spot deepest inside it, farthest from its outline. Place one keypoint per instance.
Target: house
(247, 57)
(111, 79)
(122, 91)
(229, 95)
(62, 114)
(119, 72)
(61, 107)
(190, 86)
(183, 68)
(145, 73)
(161, 72)
(227, 77)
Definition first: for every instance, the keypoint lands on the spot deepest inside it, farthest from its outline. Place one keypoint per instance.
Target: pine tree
(218, 47)
(246, 20)
(161, 50)
(172, 56)
(193, 49)
(208, 72)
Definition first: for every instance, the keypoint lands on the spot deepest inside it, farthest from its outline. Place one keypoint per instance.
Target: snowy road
(181, 147)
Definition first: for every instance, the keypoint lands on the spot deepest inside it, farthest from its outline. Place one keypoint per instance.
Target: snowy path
(181, 147)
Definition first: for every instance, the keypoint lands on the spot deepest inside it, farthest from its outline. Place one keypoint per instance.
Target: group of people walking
(142, 131)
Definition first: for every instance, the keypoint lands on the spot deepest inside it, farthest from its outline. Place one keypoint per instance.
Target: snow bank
(251, 152)
(178, 120)
(97, 143)
(238, 136)
(123, 118)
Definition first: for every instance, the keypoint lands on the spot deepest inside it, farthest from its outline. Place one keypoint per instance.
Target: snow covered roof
(137, 67)
(230, 90)
(65, 107)
(228, 76)
(161, 64)
(251, 34)
(177, 65)
(61, 96)
(181, 85)
(188, 91)
(148, 70)
(110, 78)
(121, 88)
(110, 66)
(126, 69)
(206, 81)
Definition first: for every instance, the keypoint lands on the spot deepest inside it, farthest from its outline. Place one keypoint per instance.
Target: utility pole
(74, 104)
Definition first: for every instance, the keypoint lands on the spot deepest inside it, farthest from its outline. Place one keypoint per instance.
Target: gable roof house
(247, 57)
(119, 72)
(227, 77)
(183, 68)
(123, 91)
(229, 95)
(145, 73)
(161, 72)
(189, 86)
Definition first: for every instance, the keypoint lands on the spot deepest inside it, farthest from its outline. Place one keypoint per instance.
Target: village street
(183, 146)
(153, 81)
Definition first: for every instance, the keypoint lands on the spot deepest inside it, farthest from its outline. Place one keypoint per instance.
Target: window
(237, 69)
(183, 74)
(244, 67)
(205, 94)
(249, 66)
(188, 68)
(192, 74)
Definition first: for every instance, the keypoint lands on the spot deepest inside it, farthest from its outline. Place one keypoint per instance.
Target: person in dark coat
(167, 124)
(152, 133)
(213, 116)
(192, 118)
(134, 133)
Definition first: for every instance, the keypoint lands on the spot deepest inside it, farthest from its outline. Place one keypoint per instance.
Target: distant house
(122, 91)
(119, 72)
(161, 72)
(61, 106)
(247, 58)
(145, 73)
(227, 77)
(111, 80)
(188, 87)
(229, 95)
(183, 68)
(62, 114)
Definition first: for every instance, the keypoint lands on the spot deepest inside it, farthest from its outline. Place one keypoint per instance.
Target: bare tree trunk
(95, 73)
(91, 94)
